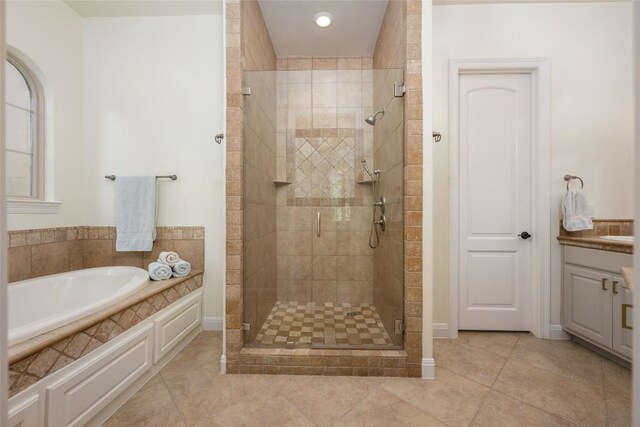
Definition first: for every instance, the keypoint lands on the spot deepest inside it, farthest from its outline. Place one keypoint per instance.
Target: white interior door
(495, 201)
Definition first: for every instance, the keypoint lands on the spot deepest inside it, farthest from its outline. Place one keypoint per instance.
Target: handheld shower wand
(375, 177)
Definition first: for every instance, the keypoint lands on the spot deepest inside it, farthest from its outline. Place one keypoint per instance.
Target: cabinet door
(622, 336)
(587, 303)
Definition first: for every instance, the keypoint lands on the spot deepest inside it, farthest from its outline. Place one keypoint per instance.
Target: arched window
(24, 132)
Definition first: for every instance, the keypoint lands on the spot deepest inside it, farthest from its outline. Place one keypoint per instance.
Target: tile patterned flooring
(328, 324)
(483, 379)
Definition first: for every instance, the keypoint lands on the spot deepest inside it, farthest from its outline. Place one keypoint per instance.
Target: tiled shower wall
(41, 252)
(322, 103)
(259, 130)
(399, 45)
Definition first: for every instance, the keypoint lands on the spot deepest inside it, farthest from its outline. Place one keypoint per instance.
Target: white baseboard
(428, 369)
(556, 333)
(212, 323)
(440, 330)
(223, 364)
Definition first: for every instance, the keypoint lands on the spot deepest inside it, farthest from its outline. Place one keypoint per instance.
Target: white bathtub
(37, 306)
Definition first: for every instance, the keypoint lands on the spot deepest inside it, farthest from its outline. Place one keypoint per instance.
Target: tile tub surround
(41, 252)
(601, 227)
(36, 358)
(244, 51)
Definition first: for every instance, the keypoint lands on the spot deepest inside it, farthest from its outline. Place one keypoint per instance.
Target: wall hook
(219, 137)
(436, 136)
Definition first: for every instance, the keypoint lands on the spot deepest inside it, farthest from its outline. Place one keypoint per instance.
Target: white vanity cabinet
(622, 333)
(593, 294)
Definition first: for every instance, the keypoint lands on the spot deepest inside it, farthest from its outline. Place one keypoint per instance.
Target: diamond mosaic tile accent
(324, 167)
(32, 369)
(306, 324)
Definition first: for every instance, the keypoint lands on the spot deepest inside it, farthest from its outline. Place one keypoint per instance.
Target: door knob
(524, 235)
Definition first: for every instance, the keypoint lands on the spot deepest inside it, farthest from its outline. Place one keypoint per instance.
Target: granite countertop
(22, 349)
(595, 242)
(627, 273)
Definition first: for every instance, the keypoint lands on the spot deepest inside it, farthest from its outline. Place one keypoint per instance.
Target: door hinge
(246, 326)
(246, 90)
(399, 89)
(399, 327)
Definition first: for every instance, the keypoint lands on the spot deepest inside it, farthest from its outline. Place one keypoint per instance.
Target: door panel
(494, 201)
(622, 338)
(587, 306)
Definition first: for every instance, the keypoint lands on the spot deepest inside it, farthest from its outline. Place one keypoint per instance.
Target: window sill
(25, 206)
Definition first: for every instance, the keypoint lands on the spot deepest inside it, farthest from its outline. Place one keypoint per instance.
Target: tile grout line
(606, 398)
(522, 401)
(506, 359)
(554, 372)
(173, 400)
(534, 407)
(373, 390)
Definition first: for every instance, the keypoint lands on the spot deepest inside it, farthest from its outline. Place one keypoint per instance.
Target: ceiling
(293, 32)
(145, 7)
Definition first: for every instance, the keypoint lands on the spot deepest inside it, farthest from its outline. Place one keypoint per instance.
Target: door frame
(538, 69)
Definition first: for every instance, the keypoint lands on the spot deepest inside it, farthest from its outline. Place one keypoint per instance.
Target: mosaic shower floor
(322, 325)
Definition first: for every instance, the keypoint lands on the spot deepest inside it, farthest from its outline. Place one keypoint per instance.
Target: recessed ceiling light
(323, 19)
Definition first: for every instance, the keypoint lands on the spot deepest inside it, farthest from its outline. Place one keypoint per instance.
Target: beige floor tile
(325, 399)
(562, 357)
(155, 380)
(473, 363)
(617, 379)
(496, 342)
(266, 409)
(536, 385)
(619, 411)
(450, 398)
(150, 407)
(199, 396)
(572, 400)
(204, 352)
(385, 409)
(500, 410)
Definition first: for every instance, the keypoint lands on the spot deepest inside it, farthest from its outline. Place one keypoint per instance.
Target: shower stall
(323, 207)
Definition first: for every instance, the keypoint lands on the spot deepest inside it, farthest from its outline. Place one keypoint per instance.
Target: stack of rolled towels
(168, 265)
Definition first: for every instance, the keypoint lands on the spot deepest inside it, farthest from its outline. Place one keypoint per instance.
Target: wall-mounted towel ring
(570, 178)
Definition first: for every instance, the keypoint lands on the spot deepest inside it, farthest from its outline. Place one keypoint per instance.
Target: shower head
(374, 117)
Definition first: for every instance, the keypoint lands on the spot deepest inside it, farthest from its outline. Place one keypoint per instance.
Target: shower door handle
(318, 225)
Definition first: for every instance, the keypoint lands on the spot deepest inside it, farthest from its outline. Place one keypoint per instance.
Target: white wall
(152, 105)
(589, 50)
(49, 33)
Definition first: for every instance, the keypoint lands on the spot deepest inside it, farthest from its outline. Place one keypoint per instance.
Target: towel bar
(171, 177)
(570, 178)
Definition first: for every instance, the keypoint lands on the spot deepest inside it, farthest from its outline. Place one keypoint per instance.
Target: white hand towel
(136, 201)
(181, 269)
(159, 271)
(576, 214)
(169, 258)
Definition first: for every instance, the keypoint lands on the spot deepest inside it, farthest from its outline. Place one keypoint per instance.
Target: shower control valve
(381, 222)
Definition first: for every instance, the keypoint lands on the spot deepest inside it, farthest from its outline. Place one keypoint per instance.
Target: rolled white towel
(181, 269)
(159, 271)
(169, 258)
